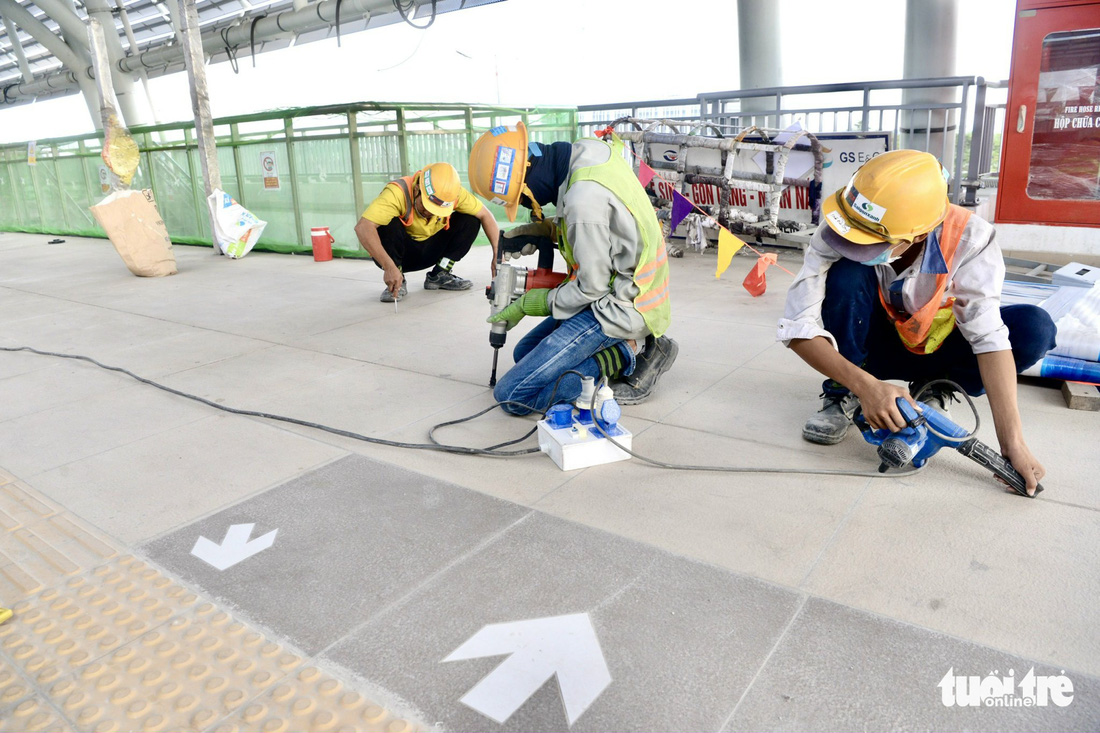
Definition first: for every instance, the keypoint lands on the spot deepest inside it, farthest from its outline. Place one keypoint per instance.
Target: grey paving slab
(975, 562)
(681, 640)
(839, 669)
(149, 486)
(370, 399)
(353, 536)
(750, 404)
(695, 337)
(117, 415)
(772, 526)
(33, 383)
(522, 479)
(250, 378)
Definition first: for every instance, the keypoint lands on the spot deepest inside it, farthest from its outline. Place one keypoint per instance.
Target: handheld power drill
(510, 283)
(928, 431)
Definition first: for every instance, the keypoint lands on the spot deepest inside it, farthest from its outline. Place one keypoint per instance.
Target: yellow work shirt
(390, 205)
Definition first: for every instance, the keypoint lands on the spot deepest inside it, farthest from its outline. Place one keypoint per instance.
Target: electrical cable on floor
(493, 450)
(436, 446)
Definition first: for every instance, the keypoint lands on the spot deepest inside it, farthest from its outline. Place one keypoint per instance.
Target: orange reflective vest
(924, 331)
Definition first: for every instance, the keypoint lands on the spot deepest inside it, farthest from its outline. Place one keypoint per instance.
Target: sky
(556, 52)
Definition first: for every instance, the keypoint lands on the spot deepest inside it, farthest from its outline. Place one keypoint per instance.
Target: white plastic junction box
(582, 444)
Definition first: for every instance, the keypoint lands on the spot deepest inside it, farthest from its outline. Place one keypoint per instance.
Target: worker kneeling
(608, 318)
(900, 284)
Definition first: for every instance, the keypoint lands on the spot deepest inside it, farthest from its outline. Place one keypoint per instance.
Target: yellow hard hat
(894, 197)
(498, 165)
(439, 188)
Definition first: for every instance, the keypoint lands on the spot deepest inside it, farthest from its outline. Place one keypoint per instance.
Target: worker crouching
(900, 284)
(608, 318)
(426, 220)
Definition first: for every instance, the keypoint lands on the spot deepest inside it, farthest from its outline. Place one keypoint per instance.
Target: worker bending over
(608, 318)
(900, 284)
(426, 220)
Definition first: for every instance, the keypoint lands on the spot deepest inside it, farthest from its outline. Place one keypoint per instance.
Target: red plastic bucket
(322, 244)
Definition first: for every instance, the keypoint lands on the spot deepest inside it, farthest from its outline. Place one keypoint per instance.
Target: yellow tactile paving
(316, 701)
(103, 641)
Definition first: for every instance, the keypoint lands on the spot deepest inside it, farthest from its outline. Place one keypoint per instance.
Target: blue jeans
(866, 337)
(548, 350)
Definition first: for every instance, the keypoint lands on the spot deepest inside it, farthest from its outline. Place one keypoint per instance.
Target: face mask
(882, 259)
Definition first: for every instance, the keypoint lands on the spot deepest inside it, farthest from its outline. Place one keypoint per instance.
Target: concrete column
(930, 32)
(200, 102)
(123, 83)
(758, 53)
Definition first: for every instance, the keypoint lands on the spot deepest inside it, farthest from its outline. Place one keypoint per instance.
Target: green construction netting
(318, 165)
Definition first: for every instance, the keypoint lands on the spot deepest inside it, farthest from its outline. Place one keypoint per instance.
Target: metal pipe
(317, 15)
(78, 69)
(17, 49)
(68, 22)
(129, 31)
(64, 53)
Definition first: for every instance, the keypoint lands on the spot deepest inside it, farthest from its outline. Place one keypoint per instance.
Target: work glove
(532, 303)
(526, 238)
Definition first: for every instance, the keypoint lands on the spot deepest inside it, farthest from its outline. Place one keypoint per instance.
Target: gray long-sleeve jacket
(605, 241)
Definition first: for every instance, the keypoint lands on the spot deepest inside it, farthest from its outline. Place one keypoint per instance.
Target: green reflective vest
(651, 272)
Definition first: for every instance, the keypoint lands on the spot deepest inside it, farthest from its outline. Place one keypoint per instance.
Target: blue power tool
(925, 434)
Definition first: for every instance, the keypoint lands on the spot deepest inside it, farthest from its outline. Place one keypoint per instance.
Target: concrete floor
(720, 601)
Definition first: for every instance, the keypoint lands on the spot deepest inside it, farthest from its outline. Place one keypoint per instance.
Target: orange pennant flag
(727, 248)
(755, 282)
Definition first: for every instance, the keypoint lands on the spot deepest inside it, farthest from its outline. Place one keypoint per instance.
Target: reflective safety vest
(651, 272)
(924, 331)
(406, 185)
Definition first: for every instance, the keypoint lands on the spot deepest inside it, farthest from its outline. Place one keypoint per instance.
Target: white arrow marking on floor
(539, 648)
(234, 548)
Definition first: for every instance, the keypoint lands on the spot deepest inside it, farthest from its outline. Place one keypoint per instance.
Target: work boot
(656, 359)
(938, 397)
(830, 424)
(387, 296)
(445, 280)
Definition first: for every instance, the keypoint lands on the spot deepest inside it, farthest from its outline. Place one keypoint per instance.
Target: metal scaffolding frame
(870, 106)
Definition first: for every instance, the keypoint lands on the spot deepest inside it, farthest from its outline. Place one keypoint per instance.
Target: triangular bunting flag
(645, 173)
(755, 282)
(681, 207)
(727, 248)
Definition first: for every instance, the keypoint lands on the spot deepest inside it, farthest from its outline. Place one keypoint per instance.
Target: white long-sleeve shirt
(975, 280)
(606, 241)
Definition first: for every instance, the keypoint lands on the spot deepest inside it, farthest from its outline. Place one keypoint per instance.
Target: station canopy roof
(230, 29)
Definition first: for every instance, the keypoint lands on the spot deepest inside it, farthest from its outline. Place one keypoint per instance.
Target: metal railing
(331, 161)
(872, 106)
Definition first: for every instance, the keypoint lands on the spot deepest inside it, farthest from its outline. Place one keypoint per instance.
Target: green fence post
(403, 148)
(37, 194)
(194, 194)
(60, 190)
(237, 163)
(16, 188)
(469, 114)
(149, 167)
(82, 153)
(356, 168)
(288, 129)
